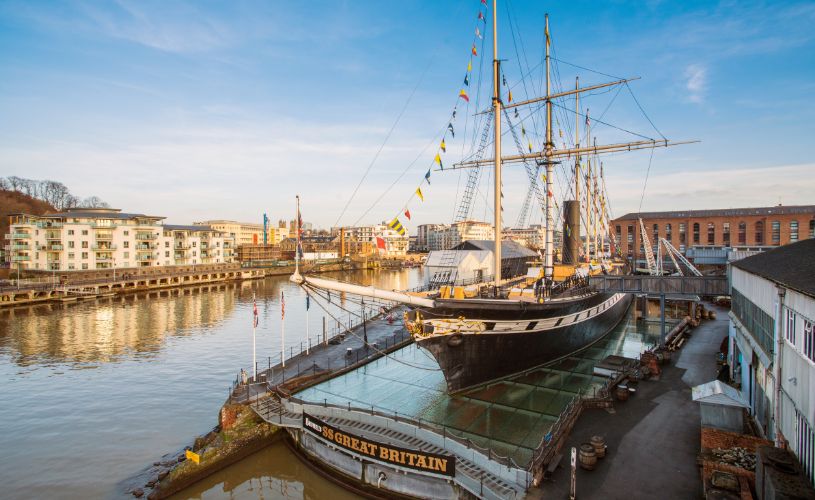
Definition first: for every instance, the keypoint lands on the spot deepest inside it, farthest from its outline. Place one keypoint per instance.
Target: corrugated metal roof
(509, 249)
(792, 266)
(718, 393)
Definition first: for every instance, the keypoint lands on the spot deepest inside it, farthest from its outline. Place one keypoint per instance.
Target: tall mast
(496, 104)
(589, 206)
(577, 177)
(548, 262)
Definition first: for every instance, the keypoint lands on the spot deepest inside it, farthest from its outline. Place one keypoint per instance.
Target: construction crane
(676, 254)
(649, 251)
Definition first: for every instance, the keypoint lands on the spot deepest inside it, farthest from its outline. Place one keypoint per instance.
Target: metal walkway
(662, 285)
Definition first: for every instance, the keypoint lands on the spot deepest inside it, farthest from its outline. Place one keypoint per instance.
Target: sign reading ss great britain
(412, 459)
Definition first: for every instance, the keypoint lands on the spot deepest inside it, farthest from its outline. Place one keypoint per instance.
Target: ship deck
(510, 417)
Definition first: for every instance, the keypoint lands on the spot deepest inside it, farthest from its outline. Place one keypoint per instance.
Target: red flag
(475, 53)
(484, 2)
(407, 214)
(380, 243)
(481, 16)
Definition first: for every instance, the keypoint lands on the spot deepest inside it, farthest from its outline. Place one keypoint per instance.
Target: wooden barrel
(587, 456)
(599, 446)
(622, 392)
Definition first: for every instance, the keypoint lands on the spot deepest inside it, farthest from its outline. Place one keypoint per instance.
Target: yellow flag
(193, 456)
(443, 146)
(419, 193)
(437, 159)
(470, 66)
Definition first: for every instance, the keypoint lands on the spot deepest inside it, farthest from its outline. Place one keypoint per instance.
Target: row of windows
(806, 446)
(741, 234)
(758, 323)
(807, 345)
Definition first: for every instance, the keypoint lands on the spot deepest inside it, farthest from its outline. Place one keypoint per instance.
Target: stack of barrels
(590, 452)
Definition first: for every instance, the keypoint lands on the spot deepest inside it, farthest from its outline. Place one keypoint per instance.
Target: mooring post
(325, 341)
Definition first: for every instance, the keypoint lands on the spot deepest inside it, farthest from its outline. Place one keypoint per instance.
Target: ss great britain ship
(483, 330)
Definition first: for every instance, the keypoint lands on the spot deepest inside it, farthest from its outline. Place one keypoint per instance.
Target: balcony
(20, 258)
(104, 258)
(47, 225)
(20, 236)
(20, 246)
(182, 246)
(104, 236)
(143, 258)
(53, 235)
(104, 247)
(146, 236)
(145, 246)
(54, 247)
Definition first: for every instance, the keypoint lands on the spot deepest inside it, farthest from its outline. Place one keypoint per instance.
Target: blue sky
(198, 110)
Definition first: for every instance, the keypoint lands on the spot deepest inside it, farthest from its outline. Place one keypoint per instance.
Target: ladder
(649, 251)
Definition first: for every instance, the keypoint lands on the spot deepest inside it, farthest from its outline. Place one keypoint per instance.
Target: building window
(127, 256)
(696, 232)
(726, 234)
(126, 244)
(757, 323)
(70, 232)
(84, 244)
(127, 233)
(760, 232)
(812, 228)
(656, 232)
(776, 232)
(71, 255)
(742, 233)
(711, 233)
(85, 255)
(682, 239)
(668, 231)
(166, 244)
(167, 254)
(84, 265)
(789, 333)
(806, 446)
(71, 266)
(619, 229)
(809, 340)
(793, 231)
(71, 244)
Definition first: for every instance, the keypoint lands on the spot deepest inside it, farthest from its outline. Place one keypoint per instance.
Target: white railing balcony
(146, 236)
(104, 236)
(20, 258)
(19, 236)
(104, 247)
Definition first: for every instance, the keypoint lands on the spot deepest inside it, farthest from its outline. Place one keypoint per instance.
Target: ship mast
(577, 178)
(496, 104)
(548, 262)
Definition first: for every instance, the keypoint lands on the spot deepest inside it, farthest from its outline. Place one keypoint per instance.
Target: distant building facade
(362, 240)
(447, 236)
(245, 233)
(533, 237)
(106, 238)
(733, 228)
(772, 325)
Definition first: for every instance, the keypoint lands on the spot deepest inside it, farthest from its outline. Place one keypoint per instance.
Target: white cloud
(696, 82)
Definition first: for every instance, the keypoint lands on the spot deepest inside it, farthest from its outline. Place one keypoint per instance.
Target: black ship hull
(501, 338)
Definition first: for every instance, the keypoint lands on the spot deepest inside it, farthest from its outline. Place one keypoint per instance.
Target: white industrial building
(472, 261)
(772, 339)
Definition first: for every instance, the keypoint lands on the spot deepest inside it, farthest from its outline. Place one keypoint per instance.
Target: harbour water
(94, 392)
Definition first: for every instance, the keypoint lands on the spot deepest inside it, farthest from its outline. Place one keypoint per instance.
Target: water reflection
(161, 365)
(270, 473)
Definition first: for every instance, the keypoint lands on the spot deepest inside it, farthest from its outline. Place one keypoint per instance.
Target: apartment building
(362, 240)
(105, 238)
(444, 236)
(533, 237)
(246, 233)
(772, 344)
(732, 227)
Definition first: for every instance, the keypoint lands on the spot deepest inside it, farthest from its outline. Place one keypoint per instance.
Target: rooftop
(723, 212)
(181, 227)
(100, 213)
(792, 266)
(509, 249)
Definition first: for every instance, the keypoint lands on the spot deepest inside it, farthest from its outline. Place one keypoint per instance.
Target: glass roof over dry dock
(511, 416)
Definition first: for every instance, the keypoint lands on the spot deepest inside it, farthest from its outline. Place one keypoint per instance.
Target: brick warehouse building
(730, 227)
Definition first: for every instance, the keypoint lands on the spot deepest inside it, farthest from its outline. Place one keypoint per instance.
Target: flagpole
(254, 347)
(296, 275)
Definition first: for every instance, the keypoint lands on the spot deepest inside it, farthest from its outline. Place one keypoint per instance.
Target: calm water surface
(94, 392)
